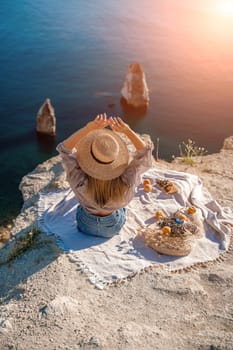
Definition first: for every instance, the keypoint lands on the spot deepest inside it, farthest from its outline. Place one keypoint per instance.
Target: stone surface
(46, 120)
(135, 91)
(228, 143)
(5, 326)
(60, 306)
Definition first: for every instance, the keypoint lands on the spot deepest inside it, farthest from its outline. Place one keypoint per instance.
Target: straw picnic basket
(172, 236)
(174, 245)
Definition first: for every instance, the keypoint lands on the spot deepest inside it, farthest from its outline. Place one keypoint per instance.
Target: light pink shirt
(141, 161)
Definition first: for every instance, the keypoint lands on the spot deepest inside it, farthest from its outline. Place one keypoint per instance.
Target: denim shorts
(102, 226)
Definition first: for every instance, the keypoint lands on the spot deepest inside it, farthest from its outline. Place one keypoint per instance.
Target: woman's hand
(117, 124)
(98, 123)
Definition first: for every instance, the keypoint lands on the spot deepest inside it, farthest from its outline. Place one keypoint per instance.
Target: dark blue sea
(76, 52)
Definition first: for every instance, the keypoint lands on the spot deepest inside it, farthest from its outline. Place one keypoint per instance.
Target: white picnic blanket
(107, 260)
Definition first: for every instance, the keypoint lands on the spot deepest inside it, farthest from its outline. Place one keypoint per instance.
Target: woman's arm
(117, 124)
(98, 123)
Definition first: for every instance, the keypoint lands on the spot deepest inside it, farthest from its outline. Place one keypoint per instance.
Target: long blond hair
(103, 191)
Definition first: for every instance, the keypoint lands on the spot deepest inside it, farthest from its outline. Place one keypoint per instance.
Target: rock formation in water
(46, 120)
(135, 92)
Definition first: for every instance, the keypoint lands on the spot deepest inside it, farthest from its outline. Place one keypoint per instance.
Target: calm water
(77, 53)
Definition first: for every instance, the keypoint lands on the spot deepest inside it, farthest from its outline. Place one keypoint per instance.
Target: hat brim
(96, 169)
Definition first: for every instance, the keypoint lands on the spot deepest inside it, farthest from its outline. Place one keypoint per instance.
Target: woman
(103, 173)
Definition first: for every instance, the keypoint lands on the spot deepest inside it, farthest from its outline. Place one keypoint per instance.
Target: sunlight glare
(225, 7)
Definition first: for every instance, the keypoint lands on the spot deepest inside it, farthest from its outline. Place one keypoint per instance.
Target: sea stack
(46, 120)
(135, 92)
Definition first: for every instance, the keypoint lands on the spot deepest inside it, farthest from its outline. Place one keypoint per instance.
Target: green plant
(24, 243)
(189, 150)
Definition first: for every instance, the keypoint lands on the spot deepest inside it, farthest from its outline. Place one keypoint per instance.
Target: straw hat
(102, 154)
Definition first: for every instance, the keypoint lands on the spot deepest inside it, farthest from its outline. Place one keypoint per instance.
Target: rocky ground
(47, 303)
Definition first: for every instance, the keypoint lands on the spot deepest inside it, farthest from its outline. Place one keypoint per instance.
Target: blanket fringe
(92, 277)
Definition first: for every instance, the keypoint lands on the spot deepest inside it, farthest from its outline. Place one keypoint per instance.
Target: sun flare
(225, 8)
